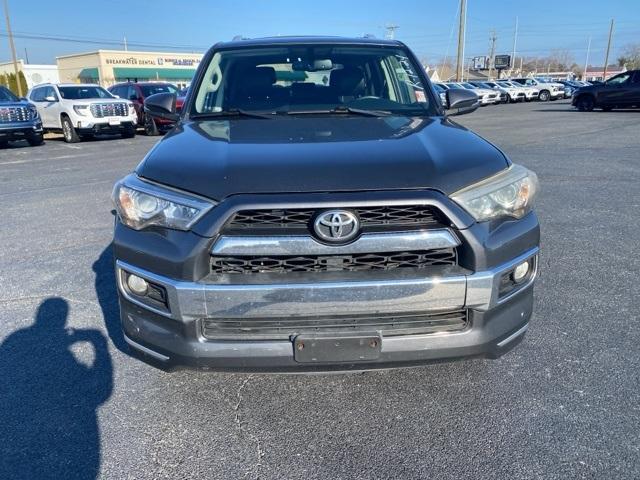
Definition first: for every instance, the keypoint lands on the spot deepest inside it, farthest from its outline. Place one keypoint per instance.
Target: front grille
(16, 114)
(101, 110)
(333, 263)
(286, 328)
(385, 216)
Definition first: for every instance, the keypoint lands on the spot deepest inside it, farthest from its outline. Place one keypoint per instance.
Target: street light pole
(13, 48)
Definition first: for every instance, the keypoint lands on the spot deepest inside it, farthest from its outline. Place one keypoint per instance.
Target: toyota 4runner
(316, 208)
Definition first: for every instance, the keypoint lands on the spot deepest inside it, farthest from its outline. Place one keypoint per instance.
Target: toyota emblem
(337, 226)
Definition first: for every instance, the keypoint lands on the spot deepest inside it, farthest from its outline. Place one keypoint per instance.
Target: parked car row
(80, 111)
(509, 90)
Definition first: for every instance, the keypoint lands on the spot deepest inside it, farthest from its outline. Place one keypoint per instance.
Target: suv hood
(219, 158)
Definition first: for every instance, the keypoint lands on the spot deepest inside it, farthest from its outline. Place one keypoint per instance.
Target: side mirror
(162, 105)
(462, 101)
(50, 99)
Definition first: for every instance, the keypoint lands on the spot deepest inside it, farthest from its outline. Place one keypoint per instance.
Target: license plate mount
(114, 121)
(335, 348)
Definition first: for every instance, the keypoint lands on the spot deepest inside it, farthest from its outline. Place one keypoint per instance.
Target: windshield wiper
(339, 109)
(234, 112)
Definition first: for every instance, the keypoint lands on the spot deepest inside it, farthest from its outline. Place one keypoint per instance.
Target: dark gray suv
(316, 208)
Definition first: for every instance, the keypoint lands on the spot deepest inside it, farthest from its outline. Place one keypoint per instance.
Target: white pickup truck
(546, 90)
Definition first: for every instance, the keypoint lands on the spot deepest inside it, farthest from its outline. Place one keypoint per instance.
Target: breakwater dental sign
(161, 61)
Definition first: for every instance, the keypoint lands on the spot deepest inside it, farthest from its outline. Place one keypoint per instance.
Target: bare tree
(630, 56)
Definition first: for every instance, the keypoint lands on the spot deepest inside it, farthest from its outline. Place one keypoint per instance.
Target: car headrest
(347, 80)
(258, 77)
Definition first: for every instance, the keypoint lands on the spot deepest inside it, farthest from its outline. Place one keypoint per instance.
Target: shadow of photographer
(49, 399)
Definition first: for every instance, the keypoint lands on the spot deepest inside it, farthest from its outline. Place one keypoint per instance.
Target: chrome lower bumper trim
(192, 300)
(307, 245)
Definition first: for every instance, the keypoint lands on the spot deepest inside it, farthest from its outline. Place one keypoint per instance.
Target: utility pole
(461, 36)
(606, 58)
(492, 51)
(125, 44)
(13, 48)
(391, 30)
(586, 62)
(26, 55)
(515, 41)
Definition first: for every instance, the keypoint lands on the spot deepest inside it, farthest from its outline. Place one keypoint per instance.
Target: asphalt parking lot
(564, 404)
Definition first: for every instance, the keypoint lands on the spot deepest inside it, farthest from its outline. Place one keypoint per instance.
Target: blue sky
(426, 25)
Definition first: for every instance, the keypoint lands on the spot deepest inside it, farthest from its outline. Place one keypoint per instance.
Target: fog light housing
(520, 272)
(137, 285)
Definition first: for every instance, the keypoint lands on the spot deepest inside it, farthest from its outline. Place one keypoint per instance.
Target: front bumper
(20, 130)
(173, 338)
(98, 126)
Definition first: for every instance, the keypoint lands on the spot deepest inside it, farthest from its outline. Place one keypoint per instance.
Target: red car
(137, 92)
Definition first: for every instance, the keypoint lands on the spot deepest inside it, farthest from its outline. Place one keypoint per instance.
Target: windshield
(80, 93)
(7, 95)
(312, 78)
(148, 90)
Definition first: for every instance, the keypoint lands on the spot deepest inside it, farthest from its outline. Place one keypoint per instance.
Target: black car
(317, 208)
(19, 120)
(620, 91)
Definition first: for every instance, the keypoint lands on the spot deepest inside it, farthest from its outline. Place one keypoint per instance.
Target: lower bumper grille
(286, 328)
(333, 263)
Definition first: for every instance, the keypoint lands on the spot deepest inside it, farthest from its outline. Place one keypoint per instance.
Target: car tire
(150, 127)
(129, 131)
(544, 96)
(4, 144)
(68, 131)
(36, 139)
(585, 103)
(607, 108)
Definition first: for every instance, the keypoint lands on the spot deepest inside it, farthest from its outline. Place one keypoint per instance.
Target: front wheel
(586, 103)
(70, 134)
(36, 139)
(150, 127)
(129, 131)
(4, 143)
(544, 96)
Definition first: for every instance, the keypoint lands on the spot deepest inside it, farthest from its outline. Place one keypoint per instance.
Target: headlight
(81, 109)
(33, 111)
(141, 204)
(510, 193)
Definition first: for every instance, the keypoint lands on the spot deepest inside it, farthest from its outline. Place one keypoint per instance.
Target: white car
(485, 95)
(529, 92)
(82, 110)
(546, 90)
(513, 94)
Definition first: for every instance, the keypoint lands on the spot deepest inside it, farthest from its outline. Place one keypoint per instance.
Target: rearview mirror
(162, 105)
(462, 101)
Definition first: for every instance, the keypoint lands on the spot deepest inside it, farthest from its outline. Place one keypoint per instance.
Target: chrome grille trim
(16, 114)
(101, 110)
(306, 245)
